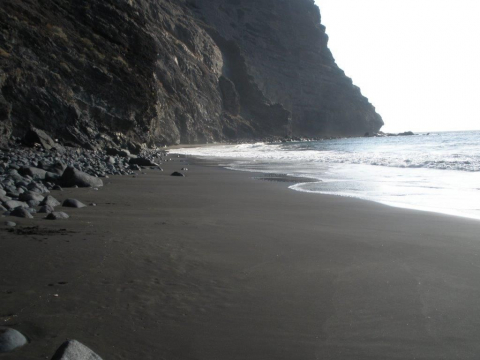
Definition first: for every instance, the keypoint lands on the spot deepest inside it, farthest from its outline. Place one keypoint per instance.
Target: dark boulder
(33, 172)
(30, 195)
(21, 212)
(37, 136)
(57, 215)
(176, 173)
(57, 168)
(51, 177)
(50, 200)
(37, 187)
(33, 203)
(73, 203)
(12, 204)
(46, 209)
(72, 177)
(4, 198)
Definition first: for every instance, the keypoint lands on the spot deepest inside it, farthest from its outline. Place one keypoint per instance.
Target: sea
(437, 172)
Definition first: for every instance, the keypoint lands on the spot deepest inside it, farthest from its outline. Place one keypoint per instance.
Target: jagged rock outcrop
(124, 72)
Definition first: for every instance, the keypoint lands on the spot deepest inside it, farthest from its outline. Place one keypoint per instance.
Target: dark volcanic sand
(218, 265)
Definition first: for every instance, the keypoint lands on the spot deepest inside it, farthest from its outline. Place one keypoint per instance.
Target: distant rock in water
(406, 133)
(120, 74)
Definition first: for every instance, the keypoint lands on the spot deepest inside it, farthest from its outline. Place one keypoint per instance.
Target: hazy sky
(418, 61)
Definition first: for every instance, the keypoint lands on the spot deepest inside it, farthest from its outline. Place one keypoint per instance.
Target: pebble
(176, 173)
(10, 224)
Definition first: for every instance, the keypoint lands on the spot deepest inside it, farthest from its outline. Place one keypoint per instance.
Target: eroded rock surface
(125, 73)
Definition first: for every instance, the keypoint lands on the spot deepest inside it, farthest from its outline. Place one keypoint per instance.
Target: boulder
(35, 173)
(74, 350)
(46, 209)
(51, 177)
(73, 203)
(57, 168)
(176, 173)
(57, 215)
(37, 136)
(12, 204)
(21, 212)
(33, 203)
(10, 224)
(50, 200)
(37, 187)
(30, 195)
(5, 198)
(72, 177)
(10, 339)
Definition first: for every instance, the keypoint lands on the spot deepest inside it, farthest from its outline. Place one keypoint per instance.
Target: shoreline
(412, 193)
(220, 265)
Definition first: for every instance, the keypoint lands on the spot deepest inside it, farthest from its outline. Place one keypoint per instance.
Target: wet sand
(218, 265)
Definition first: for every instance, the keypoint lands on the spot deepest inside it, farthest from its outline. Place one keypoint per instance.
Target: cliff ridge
(103, 72)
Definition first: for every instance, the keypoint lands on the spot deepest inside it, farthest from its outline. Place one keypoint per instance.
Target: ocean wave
(275, 153)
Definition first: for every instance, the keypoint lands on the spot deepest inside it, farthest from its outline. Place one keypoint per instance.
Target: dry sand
(218, 265)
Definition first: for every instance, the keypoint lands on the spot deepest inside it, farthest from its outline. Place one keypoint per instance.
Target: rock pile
(29, 174)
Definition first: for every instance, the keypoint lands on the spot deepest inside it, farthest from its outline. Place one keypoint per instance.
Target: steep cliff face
(162, 71)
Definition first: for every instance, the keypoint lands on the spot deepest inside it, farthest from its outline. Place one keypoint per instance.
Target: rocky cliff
(102, 72)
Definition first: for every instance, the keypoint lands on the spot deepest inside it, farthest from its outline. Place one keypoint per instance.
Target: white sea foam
(440, 172)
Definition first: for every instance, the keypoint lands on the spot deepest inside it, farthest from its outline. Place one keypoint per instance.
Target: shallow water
(439, 172)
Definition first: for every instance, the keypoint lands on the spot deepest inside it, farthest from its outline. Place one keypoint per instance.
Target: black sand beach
(217, 265)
